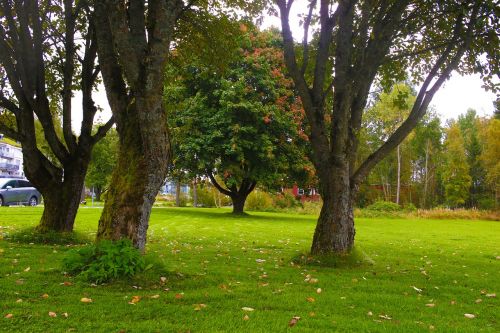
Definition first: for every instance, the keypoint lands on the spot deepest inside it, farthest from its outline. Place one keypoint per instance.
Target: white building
(11, 159)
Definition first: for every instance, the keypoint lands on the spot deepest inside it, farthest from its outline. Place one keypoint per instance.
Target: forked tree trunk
(61, 200)
(137, 177)
(335, 228)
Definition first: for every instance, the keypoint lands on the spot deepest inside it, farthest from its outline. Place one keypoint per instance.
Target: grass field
(424, 276)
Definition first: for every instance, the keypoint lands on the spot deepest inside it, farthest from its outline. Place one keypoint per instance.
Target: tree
(356, 44)
(456, 178)
(384, 117)
(102, 163)
(134, 39)
(470, 125)
(491, 156)
(242, 125)
(48, 51)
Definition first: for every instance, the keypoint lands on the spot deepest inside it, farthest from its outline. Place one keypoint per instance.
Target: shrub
(259, 200)
(205, 197)
(104, 261)
(410, 207)
(384, 206)
(285, 200)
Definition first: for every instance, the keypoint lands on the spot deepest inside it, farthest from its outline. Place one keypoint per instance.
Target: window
(12, 183)
(24, 183)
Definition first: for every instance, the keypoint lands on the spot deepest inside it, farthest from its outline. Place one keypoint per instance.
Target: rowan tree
(47, 52)
(357, 44)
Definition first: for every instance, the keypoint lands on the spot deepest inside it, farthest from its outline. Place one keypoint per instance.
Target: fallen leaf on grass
(386, 317)
(9, 315)
(418, 290)
(318, 291)
(27, 269)
(86, 300)
(65, 315)
(198, 307)
(469, 315)
(478, 300)
(293, 321)
(491, 295)
(310, 299)
(19, 300)
(154, 296)
(369, 313)
(67, 283)
(179, 296)
(135, 300)
(163, 279)
(245, 308)
(52, 314)
(453, 302)
(430, 305)
(20, 281)
(246, 317)
(45, 296)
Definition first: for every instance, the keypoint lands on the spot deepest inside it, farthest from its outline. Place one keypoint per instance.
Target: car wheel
(33, 201)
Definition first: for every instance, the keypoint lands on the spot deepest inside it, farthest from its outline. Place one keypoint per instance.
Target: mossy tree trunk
(137, 178)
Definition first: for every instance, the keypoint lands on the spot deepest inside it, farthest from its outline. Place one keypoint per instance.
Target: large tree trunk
(335, 228)
(239, 202)
(138, 175)
(62, 199)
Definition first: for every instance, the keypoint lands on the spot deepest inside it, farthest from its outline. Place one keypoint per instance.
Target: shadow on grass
(31, 235)
(354, 259)
(228, 215)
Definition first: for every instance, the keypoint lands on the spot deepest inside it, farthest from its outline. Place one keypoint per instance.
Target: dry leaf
(67, 283)
(453, 302)
(491, 295)
(45, 296)
(154, 296)
(135, 300)
(86, 300)
(163, 279)
(431, 327)
(65, 314)
(9, 315)
(430, 305)
(179, 296)
(386, 317)
(246, 317)
(369, 313)
(318, 291)
(260, 260)
(247, 309)
(293, 321)
(19, 300)
(310, 299)
(20, 281)
(27, 269)
(478, 300)
(198, 307)
(313, 280)
(52, 314)
(418, 290)
(469, 315)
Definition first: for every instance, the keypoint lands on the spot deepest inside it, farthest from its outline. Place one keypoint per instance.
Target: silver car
(18, 191)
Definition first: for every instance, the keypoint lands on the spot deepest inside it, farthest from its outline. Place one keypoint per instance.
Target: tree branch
(217, 185)
(305, 44)
(102, 130)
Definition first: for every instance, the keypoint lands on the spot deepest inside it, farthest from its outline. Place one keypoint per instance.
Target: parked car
(18, 191)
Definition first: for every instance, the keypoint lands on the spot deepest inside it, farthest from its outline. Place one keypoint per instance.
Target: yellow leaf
(27, 269)
(247, 309)
(430, 305)
(310, 299)
(86, 300)
(154, 296)
(52, 314)
(45, 296)
(9, 315)
(318, 291)
(246, 317)
(469, 315)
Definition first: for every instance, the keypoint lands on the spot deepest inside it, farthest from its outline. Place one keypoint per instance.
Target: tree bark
(398, 188)
(335, 230)
(239, 202)
(138, 176)
(178, 193)
(195, 192)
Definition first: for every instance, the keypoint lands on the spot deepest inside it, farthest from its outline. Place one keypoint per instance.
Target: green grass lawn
(424, 276)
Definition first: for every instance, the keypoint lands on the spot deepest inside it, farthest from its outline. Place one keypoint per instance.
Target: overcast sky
(456, 96)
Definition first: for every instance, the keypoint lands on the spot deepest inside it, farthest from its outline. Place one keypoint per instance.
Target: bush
(285, 200)
(384, 206)
(104, 261)
(259, 200)
(205, 197)
(410, 207)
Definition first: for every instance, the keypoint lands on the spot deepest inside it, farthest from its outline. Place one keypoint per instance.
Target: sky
(454, 98)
